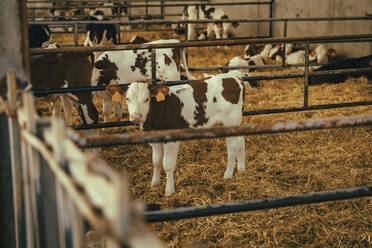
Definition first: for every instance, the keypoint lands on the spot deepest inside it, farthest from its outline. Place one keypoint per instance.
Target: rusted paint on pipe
(207, 133)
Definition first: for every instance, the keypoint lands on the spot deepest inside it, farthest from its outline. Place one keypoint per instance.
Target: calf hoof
(155, 183)
(241, 169)
(228, 175)
(169, 191)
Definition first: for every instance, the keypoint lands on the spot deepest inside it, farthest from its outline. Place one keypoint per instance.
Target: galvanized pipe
(40, 93)
(162, 22)
(268, 203)
(208, 133)
(203, 43)
(155, 5)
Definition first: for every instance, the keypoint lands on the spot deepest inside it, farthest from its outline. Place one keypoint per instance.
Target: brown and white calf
(51, 71)
(121, 67)
(217, 100)
(220, 30)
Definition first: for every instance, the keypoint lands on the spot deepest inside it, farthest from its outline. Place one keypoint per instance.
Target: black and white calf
(100, 34)
(220, 30)
(217, 100)
(121, 67)
(38, 35)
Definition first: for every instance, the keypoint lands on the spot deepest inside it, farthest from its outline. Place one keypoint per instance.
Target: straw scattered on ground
(276, 165)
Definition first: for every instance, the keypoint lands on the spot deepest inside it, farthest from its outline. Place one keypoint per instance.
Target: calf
(120, 67)
(220, 30)
(100, 34)
(361, 62)
(66, 69)
(217, 100)
(38, 35)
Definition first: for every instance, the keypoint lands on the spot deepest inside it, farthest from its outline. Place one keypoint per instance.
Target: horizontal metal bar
(40, 93)
(102, 125)
(268, 203)
(308, 108)
(113, 1)
(147, 22)
(209, 133)
(153, 5)
(246, 113)
(200, 43)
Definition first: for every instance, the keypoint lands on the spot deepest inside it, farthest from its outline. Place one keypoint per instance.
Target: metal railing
(306, 74)
(59, 188)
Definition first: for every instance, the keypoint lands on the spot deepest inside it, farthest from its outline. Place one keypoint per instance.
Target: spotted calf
(121, 67)
(220, 30)
(217, 100)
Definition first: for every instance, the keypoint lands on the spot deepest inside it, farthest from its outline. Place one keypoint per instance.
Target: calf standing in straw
(217, 100)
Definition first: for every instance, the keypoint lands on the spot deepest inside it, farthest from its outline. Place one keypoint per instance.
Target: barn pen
(307, 182)
(156, 195)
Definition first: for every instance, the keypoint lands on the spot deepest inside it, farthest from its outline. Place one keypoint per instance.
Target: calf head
(138, 97)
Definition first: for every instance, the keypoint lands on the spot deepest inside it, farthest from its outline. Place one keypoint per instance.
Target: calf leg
(118, 110)
(232, 144)
(67, 108)
(169, 164)
(157, 160)
(107, 106)
(241, 153)
(217, 31)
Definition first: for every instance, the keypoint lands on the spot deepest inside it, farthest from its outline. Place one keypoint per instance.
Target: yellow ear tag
(160, 96)
(116, 97)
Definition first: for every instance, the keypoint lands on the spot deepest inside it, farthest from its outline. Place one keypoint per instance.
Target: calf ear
(154, 90)
(110, 89)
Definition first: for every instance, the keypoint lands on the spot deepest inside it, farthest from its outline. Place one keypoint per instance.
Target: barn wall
(304, 8)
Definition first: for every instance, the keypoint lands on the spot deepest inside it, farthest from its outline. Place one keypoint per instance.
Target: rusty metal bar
(268, 203)
(208, 133)
(201, 43)
(245, 113)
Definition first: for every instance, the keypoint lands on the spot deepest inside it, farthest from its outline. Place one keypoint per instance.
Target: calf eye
(147, 99)
(127, 99)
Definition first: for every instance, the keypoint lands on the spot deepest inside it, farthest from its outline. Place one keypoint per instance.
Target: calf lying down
(217, 100)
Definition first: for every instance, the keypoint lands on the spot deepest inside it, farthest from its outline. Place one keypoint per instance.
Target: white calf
(205, 103)
(121, 67)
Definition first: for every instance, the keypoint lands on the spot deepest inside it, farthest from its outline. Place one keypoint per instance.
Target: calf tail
(188, 75)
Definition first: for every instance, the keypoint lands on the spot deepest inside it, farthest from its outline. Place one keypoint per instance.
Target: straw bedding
(276, 165)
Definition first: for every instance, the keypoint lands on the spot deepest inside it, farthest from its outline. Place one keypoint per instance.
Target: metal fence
(57, 186)
(65, 197)
(306, 74)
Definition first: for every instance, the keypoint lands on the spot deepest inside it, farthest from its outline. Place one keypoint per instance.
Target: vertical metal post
(11, 189)
(271, 16)
(285, 28)
(32, 171)
(76, 34)
(14, 50)
(306, 82)
(162, 9)
(147, 10)
(153, 65)
(58, 127)
(197, 25)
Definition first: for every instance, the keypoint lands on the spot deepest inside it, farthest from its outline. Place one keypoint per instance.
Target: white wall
(305, 8)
